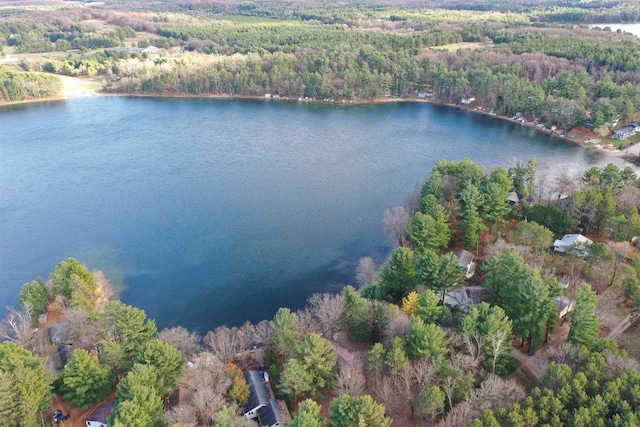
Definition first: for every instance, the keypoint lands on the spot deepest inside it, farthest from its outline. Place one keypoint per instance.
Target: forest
(406, 328)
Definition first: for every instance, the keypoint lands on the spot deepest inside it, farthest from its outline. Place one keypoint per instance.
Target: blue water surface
(210, 212)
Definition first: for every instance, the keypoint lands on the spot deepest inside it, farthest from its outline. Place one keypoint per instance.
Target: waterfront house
(570, 240)
(98, 417)
(465, 262)
(468, 100)
(625, 132)
(262, 404)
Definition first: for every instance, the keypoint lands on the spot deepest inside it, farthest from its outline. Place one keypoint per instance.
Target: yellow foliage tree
(410, 303)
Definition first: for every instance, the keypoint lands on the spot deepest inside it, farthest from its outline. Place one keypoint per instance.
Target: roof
(570, 239)
(273, 413)
(627, 129)
(101, 413)
(260, 390)
(58, 333)
(66, 351)
(463, 256)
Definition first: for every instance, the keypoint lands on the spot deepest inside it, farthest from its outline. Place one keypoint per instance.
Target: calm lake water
(212, 212)
(633, 28)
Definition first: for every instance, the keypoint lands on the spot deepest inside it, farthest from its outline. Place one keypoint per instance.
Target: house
(65, 351)
(572, 240)
(98, 418)
(564, 305)
(514, 199)
(179, 402)
(425, 94)
(262, 403)
(59, 333)
(151, 49)
(468, 100)
(625, 132)
(465, 262)
(466, 297)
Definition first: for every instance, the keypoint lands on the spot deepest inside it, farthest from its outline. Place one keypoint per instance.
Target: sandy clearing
(74, 87)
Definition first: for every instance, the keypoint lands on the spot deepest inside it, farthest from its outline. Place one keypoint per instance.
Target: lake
(210, 212)
(633, 28)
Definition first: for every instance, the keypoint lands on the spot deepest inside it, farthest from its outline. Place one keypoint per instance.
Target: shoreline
(85, 92)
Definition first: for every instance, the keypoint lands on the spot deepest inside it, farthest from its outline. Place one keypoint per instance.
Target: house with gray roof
(262, 404)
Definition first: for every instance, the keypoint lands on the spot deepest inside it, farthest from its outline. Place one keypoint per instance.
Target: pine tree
(585, 326)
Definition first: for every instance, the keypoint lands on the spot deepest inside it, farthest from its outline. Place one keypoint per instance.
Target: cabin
(465, 262)
(467, 101)
(65, 351)
(466, 297)
(59, 333)
(262, 404)
(572, 240)
(625, 132)
(179, 403)
(564, 305)
(425, 94)
(98, 417)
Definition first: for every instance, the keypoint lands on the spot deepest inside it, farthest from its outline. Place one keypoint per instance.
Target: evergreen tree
(427, 341)
(308, 415)
(295, 380)
(76, 284)
(429, 308)
(145, 409)
(349, 411)
(397, 275)
(86, 380)
(130, 327)
(35, 296)
(166, 359)
(24, 386)
(285, 332)
(396, 356)
(585, 326)
(319, 360)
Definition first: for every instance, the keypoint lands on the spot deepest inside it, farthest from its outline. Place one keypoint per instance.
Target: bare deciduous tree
(186, 342)
(498, 343)
(17, 326)
(225, 343)
(351, 379)
(328, 310)
(105, 289)
(564, 183)
(398, 325)
(306, 322)
(387, 394)
(81, 325)
(394, 222)
(620, 251)
(366, 273)
(175, 416)
(413, 380)
(259, 334)
(413, 199)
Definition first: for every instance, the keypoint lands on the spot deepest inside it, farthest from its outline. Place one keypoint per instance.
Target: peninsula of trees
(406, 344)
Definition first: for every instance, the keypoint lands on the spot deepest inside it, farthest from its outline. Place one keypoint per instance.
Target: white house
(569, 240)
(98, 418)
(468, 100)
